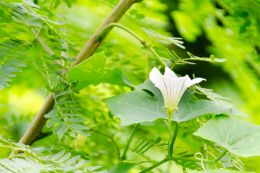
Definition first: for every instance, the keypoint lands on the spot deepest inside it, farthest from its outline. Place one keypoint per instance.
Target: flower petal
(171, 86)
(157, 78)
(182, 85)
(155, 75)
(195, 81)
(169, 73)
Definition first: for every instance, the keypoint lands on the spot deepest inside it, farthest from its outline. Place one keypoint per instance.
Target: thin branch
(111, 138)
(155, 165)
(221, 156)
(136, 36)
(44, 45)
(129, 142)
(90, 47)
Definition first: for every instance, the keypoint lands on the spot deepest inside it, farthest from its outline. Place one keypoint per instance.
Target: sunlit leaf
(93, 71)
(237, 136)
(139, 106)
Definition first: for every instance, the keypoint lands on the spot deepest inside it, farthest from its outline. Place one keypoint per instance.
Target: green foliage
(232, 27)
(123, 167)
(237, 136)
(40, 160)
(98, 101)
(216, 171)
(145, 104)
(94, 71)
(11, 60)
(67, 115)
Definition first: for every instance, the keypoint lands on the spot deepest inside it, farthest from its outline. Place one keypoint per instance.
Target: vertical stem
(90, 47)
(129, 142)
(169, 112)
(173, 139)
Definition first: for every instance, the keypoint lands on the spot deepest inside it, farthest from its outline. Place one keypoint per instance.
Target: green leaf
(62, 131)
(93, 71)
(122, 167)
(138, 106)
(190, 107)
(145, 104)
(237, 136)
(11, 60)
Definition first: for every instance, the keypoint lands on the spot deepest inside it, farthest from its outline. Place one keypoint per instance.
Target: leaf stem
(156, 165)
(136, 36)
(221, 156)
(172, 135)
(123, 157)
(111, 138)
(173, 139)
(125, 29)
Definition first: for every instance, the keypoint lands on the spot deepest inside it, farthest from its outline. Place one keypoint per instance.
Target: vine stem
(111, 138)
(123, 157)
(221, 156)
(173, 139)
(90, 47)
(155, 165)
(136, 36)
(45, 46)
(172, 135)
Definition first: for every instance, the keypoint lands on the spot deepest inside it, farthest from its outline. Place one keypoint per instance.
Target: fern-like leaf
(11, 60)
(36, 160)
(67, 115)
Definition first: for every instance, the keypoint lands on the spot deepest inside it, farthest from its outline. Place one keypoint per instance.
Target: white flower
(171, 86)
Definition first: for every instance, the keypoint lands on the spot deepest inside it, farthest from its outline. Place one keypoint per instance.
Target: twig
(221, 156)
(155, 165)
(129, 142)
(44, 45)
(90, 47)
(136, 36)
(111, 138)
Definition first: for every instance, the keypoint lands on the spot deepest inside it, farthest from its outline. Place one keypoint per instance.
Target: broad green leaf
(190, 107)
(145, 104)
(94, 71)
(237, 136)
